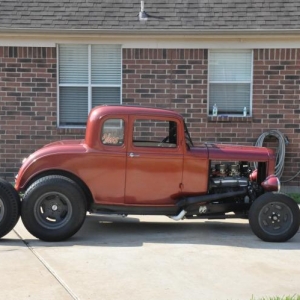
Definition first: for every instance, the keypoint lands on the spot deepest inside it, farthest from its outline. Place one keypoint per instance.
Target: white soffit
(171, 42)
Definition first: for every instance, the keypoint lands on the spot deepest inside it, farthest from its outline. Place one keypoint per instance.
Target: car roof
(133, 110)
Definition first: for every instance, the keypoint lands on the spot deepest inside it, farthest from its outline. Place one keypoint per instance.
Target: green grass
(296, 197)
(295, 297)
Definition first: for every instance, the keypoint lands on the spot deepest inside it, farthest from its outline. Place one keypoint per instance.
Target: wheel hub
(275, 218)
(53, 210)
(54, 207)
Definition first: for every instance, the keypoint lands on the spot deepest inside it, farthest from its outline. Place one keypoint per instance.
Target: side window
(155, 133)
(112, 133)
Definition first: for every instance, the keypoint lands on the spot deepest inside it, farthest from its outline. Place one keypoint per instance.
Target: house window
(89, 75)
(230, 82)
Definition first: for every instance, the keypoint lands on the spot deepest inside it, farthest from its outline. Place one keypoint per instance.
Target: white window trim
(89, 85)
(251, 83)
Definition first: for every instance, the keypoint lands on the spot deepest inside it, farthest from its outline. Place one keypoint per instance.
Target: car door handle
(133, 155)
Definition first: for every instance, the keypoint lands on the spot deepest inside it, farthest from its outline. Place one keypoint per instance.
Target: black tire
(274, 217)
(9, 207)
(53, 208)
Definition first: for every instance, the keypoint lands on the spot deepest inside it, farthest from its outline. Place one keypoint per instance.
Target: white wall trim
(159, 42)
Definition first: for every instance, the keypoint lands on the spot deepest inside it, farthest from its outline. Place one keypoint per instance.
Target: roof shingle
(176, 15)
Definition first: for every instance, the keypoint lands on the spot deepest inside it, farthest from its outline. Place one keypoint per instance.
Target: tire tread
(27, 214)
(270, 197)
(11, 200)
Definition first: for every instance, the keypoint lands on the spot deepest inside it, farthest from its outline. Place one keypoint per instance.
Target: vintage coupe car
(142, 161)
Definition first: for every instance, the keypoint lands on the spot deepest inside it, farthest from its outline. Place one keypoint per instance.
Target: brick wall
(177, 79)
(28, 104)
(172, 79)
(276, 98)
(167, 78)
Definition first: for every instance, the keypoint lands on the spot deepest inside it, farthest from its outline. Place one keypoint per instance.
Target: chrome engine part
(233, 176)
(202, 209)
(229, 177)
(226, 182)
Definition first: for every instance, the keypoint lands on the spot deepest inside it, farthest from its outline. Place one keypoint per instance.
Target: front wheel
(274, 217)
(53, 208)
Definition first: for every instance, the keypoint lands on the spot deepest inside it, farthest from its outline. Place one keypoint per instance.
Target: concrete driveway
(140, 258)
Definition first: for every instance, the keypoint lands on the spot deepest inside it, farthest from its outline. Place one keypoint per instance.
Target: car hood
(239, 153)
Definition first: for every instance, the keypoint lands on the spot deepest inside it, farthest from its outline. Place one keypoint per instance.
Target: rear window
(112, 133)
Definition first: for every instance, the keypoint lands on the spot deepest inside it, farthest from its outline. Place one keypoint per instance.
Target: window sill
(229, 119)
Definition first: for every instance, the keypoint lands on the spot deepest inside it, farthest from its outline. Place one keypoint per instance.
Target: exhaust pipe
(179, 216)
(204, 198)
(209, 198)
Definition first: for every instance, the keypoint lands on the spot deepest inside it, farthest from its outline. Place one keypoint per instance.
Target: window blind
(73, 105)
(89, 75)
(73, 64)
(106, 64)
(105, 95)
(230, 80)
(230, 98)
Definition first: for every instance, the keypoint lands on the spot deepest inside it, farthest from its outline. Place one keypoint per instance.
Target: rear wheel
(274, 217)
(53, 208)
(9, 207)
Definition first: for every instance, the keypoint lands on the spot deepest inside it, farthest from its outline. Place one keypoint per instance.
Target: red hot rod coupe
(142, 161)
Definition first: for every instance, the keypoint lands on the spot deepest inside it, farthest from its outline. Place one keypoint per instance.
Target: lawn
(295, 297)
(296, 197)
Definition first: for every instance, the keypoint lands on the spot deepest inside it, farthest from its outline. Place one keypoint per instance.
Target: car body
(137, 160)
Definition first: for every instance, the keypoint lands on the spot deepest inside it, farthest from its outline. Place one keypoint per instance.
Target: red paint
(154, 176)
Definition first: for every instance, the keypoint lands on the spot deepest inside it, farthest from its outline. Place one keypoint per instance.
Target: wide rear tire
(53, 208)
(274, 217)
(9, 207)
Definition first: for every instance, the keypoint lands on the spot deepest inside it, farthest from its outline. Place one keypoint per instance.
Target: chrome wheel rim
(53, 210)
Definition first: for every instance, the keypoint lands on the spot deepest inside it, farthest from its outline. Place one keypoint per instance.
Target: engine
(231, 169)
(228, 184)
(229, 177)
(233, 187)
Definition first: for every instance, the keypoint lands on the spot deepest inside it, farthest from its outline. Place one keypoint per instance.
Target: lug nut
(54, 207)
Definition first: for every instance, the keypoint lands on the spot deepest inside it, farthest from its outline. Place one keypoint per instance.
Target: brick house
(58, 59)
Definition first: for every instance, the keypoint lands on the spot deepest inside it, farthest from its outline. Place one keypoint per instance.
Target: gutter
(137, 31)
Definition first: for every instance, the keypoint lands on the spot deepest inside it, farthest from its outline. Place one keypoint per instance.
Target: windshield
(188, 139)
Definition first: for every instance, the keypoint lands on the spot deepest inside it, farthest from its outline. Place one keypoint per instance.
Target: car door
(154, 161)
(108, 164)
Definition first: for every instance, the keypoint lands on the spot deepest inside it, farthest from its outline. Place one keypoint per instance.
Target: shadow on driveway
(114, 231)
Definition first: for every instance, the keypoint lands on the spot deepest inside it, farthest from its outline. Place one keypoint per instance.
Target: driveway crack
(48, 267)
